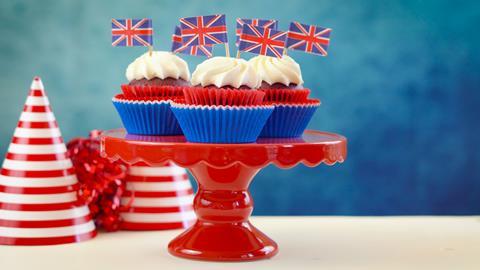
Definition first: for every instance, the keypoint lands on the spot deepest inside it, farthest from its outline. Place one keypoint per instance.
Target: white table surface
(305, 243)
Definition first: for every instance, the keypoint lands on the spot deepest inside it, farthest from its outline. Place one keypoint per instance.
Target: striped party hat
(157, 198)
(38, 186)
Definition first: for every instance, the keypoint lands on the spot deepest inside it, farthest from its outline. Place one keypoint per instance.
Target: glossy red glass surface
(223, 172)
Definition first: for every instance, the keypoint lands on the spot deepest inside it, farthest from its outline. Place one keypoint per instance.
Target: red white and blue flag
(308, 38)
(203, 30)
(132, 32)
(178, 47)
(264, 41)
(272, 24)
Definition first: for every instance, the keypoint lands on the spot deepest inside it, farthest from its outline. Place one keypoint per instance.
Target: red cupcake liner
(307, 102)
(286, 95)
(152, 91)
(123, 97)
(222, 96)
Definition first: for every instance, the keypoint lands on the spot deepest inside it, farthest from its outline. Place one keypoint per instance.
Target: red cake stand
(223, 172)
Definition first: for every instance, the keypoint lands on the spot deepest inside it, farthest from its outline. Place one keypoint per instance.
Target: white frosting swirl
(160, 65)
(225, 71)
(277, 70)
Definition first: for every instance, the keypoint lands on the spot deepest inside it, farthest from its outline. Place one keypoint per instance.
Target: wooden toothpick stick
(238, 54)
(227, 50)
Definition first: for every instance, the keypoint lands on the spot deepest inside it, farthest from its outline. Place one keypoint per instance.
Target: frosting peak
(277, 70)
(160, 65)
(225, 71)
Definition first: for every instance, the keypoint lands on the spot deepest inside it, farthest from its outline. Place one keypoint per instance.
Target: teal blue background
(402, 82)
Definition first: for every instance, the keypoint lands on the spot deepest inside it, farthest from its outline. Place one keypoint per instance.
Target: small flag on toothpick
(272, 24)
(263, 41)
(178, 47)
(132, 32)
(308, 38)
(203, 30)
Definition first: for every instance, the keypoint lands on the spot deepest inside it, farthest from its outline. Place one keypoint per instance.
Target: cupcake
(223, 105)
(282, 83)
(224, 81)
(156, 75)
(155, 80)
(279, 77)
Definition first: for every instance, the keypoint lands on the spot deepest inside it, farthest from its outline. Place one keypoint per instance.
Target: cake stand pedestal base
(225, 242)
(223, 205)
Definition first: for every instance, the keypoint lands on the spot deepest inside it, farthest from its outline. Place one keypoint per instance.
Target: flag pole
(285, 51)
(150, 50)
(227, 50)
(238, 53)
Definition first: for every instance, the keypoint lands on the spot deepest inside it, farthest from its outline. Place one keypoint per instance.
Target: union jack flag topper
(178, 47)
(308, 38)
(203, 30)
(132, 32)
(273, 24)
(264, 41)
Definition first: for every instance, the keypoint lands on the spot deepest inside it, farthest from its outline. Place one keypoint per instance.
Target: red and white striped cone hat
(38, 186)
(157, 198)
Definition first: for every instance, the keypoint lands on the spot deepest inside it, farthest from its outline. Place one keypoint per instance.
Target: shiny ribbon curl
(101, 182)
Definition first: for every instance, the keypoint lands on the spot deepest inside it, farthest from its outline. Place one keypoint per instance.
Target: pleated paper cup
(147, 117)
(38, 186)
(289, 120)
(280, 95)
(221, 124)
(222, 96)
(159, 92)
(157, 198)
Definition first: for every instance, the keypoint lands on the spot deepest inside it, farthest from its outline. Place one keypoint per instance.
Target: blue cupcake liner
(147, 117)
(288, 120)
(221, 124)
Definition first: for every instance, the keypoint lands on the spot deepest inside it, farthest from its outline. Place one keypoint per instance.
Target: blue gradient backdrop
(402, 82)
